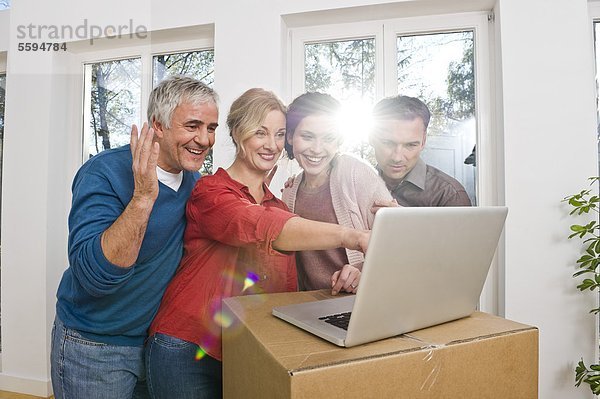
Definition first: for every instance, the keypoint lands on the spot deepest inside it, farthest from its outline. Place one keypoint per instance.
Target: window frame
(145, 52)
(385, 32)
(339, 32)
(594, 17)
(3, 71)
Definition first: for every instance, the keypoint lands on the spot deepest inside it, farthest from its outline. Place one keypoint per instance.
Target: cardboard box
(481, 356)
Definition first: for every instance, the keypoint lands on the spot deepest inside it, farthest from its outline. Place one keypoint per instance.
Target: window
(4, 4)
(440, 59)
(597, 58)
(2, 97)
(2, 102)
(199, 64)
(345, 69)
(116, 91)
(438, 69)
(115, 102)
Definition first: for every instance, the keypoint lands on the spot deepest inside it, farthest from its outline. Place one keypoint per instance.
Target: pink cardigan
(354, 185)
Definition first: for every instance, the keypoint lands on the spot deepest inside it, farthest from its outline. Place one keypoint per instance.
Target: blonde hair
(248, 112)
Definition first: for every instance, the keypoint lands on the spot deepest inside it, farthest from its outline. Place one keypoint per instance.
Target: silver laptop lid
(424, 266)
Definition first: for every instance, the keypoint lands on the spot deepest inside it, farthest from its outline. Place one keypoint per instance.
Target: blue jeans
(84, 369)
(173, 372)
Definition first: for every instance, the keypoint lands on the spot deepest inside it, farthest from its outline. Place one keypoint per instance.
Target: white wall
(546, 123)
(549, 151)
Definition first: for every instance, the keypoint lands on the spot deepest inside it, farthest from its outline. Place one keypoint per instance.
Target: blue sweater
(102, 301)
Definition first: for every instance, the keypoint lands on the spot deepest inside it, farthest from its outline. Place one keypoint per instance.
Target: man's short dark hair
(402, 108)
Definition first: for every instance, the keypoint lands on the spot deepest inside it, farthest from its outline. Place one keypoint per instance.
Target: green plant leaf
(581, 203)
(580, 373)
(575, 202)
(585, 259)
(579, 273)
(585, 284)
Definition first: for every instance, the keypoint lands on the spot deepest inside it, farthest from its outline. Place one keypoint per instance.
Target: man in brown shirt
(398, 138)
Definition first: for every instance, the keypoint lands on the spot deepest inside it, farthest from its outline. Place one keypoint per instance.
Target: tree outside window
(115, 94)
(200, 65)
(115, 103)
(437, 68)
(345, 70)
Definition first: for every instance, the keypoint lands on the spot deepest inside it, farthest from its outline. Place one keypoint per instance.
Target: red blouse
(228, 252)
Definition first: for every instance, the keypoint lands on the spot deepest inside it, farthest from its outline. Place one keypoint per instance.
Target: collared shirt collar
(222, 174)
(416, 176)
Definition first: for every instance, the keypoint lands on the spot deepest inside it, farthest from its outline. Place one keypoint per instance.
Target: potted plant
(581, 203)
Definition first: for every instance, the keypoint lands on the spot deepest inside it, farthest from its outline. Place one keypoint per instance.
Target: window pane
(4, 4)
(2, 97)
(346, 70)
(597, 55)
(438, 69)
(114, 98)
(2, 101)
(199, 64)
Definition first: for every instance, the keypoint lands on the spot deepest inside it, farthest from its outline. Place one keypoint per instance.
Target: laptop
(424, 266)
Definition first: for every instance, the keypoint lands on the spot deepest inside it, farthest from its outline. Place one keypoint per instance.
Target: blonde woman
(237, 242)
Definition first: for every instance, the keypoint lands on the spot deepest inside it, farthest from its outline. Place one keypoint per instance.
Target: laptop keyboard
(340, 320)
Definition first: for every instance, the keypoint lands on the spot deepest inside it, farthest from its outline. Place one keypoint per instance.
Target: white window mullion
(390, 61)
(143, 56)
(87, 104)
(380, 66)
(146, 55)
(487, 142)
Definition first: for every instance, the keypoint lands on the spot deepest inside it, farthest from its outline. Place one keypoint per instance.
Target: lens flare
(355, 121)
(199, 354)
(250, 280)
(222, 319)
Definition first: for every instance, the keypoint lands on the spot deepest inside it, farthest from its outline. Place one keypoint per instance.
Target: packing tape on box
(431, 360)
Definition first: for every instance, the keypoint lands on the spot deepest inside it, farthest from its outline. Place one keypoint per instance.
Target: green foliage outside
(115, 105)
(346, 69)
(456, 102)
(116, 92)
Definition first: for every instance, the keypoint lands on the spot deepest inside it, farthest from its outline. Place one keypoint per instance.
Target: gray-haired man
(125, 242)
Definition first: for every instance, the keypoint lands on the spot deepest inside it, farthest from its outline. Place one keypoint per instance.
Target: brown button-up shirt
(425, 185)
